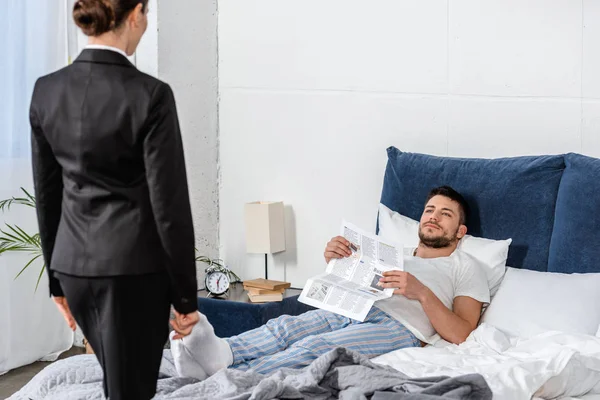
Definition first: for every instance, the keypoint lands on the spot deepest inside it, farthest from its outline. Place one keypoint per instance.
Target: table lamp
(265, 229)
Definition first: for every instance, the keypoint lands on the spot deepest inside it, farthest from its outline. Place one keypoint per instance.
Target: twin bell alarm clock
(216, 281)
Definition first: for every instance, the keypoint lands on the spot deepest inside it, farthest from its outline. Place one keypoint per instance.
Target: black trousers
(125, 320)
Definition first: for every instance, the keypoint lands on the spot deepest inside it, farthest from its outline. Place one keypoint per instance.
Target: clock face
(217, 282)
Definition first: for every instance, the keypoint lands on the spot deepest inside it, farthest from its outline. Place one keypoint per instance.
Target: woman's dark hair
(96, 17)
(453, 195)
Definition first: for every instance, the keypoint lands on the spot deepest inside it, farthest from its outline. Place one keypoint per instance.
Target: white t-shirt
(447, 277)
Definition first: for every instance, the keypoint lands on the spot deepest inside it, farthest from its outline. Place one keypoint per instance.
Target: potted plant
(14, 239)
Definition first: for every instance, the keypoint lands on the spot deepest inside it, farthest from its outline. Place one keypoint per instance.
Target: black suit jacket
(109, 175)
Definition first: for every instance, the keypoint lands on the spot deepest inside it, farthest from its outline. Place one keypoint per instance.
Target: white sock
(211, 352)
(185, 364)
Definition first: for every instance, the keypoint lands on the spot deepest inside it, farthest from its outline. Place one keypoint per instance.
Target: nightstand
(236, 314)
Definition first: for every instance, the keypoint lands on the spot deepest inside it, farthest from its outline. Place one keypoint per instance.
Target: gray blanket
(340, 373)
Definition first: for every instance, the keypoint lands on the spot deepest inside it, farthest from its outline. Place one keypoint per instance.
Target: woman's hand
(184, 323)
(63, 307)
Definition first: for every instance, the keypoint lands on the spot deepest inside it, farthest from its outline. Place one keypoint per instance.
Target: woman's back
(100, 116)
(112, 199)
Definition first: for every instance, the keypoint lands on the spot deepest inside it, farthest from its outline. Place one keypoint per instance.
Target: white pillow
(532, 302)
(492, 253)
(395, 226)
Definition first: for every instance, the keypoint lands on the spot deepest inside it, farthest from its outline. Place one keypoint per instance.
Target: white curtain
(33, 43)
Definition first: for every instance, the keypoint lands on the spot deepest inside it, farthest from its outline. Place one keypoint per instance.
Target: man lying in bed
(441, 290)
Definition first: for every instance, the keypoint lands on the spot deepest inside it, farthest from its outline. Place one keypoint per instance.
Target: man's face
(440, 223)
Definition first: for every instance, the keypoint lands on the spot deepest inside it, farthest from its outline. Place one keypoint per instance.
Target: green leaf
(26, 201)
(19, 241)
(40, 277)
(37, 240)
(18, 235)
(30, 197)
(9, 238)
(27, 265)
(18, 247)
(6, 247)
(22, 234)
(14, 237)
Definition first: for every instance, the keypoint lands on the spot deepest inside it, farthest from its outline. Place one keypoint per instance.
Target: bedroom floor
(14, 380)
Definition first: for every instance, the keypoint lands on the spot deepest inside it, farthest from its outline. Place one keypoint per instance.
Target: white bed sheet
(550, 365)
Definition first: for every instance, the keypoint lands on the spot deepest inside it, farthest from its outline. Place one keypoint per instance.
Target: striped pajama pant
(295, 341)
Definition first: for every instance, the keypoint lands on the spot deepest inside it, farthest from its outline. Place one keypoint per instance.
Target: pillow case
(575, 221)
(492, 253)
(509, 197)
(395, 226)
(532, 302)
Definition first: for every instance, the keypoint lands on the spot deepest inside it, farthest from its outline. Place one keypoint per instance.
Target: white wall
(146, 55)
(187, 60)
(312, 92)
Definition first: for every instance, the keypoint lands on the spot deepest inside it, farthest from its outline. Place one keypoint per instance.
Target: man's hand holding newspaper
(350, 286)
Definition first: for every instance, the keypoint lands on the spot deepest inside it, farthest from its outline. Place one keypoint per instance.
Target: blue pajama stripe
(295, 341)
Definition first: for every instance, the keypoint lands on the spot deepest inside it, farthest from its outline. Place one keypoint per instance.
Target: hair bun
(94, 17)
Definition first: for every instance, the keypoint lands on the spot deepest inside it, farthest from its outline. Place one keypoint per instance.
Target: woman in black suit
(112, 199)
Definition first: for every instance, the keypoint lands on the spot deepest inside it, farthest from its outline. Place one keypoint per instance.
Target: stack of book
(264, 290)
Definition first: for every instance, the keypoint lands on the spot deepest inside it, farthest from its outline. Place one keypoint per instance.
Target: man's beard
(438, 242)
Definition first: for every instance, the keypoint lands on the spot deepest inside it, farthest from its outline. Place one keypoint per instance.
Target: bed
(538, 338)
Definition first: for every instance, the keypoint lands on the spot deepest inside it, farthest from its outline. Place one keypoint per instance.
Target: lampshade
(265, 229)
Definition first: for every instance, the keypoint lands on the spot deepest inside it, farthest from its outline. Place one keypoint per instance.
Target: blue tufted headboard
(548, 205)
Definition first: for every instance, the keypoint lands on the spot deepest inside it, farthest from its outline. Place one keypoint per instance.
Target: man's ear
(462, 231)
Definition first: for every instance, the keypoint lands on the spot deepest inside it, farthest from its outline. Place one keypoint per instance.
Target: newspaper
(350, 286)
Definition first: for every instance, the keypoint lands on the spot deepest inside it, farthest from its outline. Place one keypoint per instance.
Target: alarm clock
(216, 282)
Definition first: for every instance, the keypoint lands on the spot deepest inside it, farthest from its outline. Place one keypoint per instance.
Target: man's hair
(453, 195)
